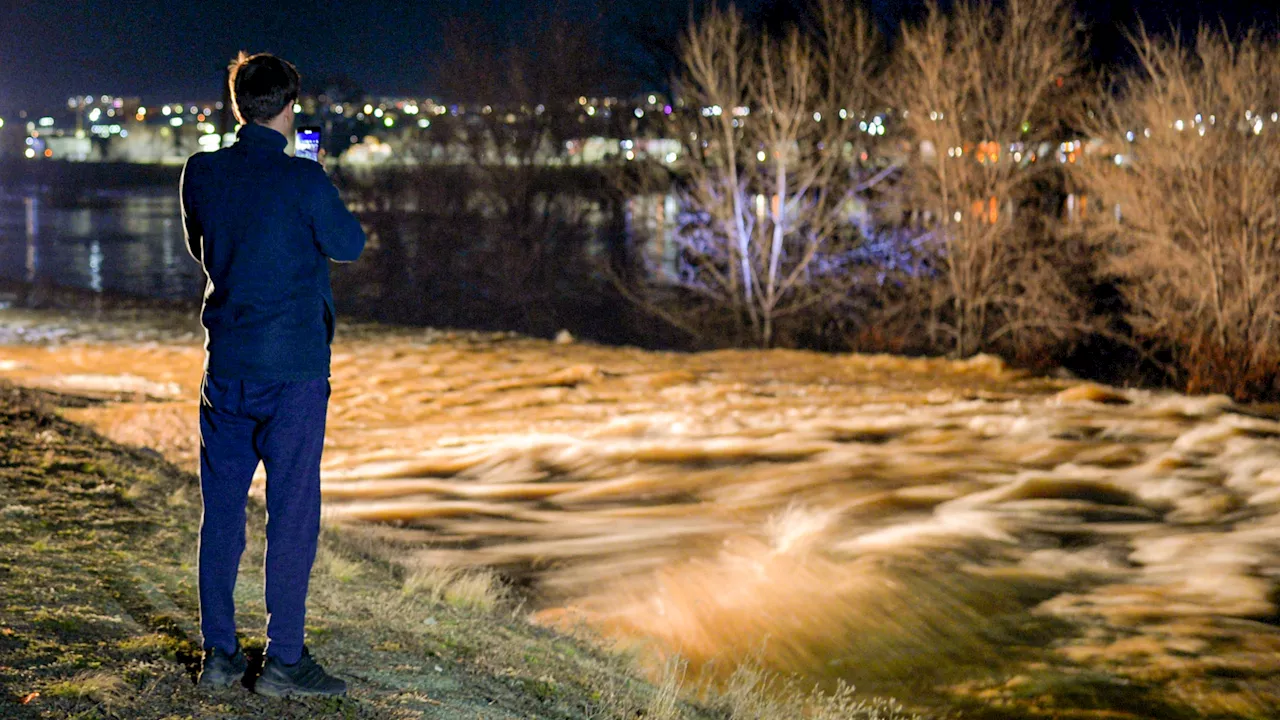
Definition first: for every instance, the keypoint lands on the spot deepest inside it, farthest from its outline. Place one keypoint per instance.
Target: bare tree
(983, 91)
(771, 167)
(1192, 169)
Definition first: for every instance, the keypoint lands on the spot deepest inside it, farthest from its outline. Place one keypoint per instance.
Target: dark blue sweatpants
(282, 425)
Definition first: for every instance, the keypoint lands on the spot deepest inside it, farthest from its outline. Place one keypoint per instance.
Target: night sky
(165, 50)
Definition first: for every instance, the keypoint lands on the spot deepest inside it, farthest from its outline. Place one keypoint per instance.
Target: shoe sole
(214, 684)
(270, 689)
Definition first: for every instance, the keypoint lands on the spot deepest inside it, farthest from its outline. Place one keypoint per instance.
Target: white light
(653, 99)
(1119, 159)
(175, 122)
(1, 122)
(46, 122)
(1017, 157)
(297, 108)
(1178, 125)
(844, 114)
(933, 116)
(1199, 119)
(761, 156)
(1146, 132)
(337, 109)
(1201, 131)
(194, 110)
(631, 155)
(957, 216)
(1129, 136)
(1213, 119)
(817, 117)
(671, 157)
(166, 111)
(124, 133)
(1275, 117)
(863, 126)
(1257, 125)
(879, 129)
(368, 109)
(639, 113)
(1248, 114)
(591, 110)
(388, 121)
(30, 153)
(424, 123)
(716, 110)
(378, 112)
(94, 114)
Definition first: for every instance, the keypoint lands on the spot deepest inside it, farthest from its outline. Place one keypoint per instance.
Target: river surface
(952, 533)
(127, 241)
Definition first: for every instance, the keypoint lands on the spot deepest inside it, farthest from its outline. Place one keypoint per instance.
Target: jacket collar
(261, 136)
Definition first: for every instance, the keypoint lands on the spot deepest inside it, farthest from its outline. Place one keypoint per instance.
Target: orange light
(200, 117)
(993, 211)
(48, 152)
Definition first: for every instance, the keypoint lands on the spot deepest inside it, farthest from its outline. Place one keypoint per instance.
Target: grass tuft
(100, 687)
(462, 589)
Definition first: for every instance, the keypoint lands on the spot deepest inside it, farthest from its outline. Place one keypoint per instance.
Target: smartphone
(306, 143)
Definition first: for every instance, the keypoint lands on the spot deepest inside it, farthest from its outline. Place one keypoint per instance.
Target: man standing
(264, 225)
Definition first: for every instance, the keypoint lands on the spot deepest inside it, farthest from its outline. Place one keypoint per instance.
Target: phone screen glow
(306, 144)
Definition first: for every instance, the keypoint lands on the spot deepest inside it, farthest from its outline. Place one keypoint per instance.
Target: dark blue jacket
(265, 225)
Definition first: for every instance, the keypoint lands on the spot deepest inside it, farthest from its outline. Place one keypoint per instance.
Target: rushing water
(927, 528)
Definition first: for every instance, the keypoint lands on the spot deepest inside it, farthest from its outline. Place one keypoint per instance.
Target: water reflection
(118, 241)
(31, 205)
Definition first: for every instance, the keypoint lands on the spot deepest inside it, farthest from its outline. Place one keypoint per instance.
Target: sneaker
(220, 669)
(304, 677)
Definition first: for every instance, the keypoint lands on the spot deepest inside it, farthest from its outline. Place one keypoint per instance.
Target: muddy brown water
(900, 523)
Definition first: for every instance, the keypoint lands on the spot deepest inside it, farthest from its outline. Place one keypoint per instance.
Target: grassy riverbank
(98, 609)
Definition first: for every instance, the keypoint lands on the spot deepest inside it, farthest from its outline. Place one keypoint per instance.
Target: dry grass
(98, 686)
(755, 694)
(334, 565)
(459, 588)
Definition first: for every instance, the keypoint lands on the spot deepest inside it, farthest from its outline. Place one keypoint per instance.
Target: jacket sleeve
(191, 228)
(337, 232)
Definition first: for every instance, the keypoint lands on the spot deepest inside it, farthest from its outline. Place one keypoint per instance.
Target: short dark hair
(262, 86)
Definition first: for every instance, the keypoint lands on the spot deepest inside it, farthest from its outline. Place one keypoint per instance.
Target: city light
(46, 122)
(30, 153)
(166, 111)
(1, 122)
(424, 123)
(297, 108)
(175, 122)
